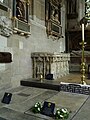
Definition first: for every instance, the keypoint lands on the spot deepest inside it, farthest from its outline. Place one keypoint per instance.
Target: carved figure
(20, 11)
(52, 15)
(56, 18)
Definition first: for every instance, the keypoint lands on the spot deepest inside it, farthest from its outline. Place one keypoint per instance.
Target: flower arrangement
(37, 107)
(61, 114)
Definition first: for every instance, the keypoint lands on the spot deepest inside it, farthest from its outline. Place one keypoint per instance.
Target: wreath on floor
(61, 113)
(37, 107)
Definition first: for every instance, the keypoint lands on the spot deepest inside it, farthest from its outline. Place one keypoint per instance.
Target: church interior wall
(73, 23)
(21, 48)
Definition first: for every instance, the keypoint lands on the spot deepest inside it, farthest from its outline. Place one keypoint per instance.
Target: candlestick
(83, 32)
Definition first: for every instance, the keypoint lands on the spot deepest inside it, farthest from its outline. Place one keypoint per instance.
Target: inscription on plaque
(7, 98)
(48, 108)
(55, 28)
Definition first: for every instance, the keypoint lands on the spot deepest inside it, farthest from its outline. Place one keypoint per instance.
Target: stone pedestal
(50, 63)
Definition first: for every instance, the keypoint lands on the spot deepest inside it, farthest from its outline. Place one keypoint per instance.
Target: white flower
(38, 109)
(61, 116)
(58, 109)
(35, 105)
(64, 110)
(58, 112)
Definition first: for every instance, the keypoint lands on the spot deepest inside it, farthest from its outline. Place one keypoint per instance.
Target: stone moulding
(3, 7)
(54, 29)
(5, 26)
(21, 27)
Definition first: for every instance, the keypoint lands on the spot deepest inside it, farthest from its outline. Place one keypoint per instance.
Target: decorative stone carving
(50, 63)
(5, 26)
(53, 19)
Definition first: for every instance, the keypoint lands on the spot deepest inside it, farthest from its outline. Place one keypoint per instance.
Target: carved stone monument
(50, 63)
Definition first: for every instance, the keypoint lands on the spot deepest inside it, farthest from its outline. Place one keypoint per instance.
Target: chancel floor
(74, 78)
(23, 98)
(70, 78)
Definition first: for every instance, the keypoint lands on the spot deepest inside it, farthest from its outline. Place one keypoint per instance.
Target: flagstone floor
(74, 78)
(70, 78)
(23, 98)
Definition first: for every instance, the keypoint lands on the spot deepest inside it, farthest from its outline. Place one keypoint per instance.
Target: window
(87, 9)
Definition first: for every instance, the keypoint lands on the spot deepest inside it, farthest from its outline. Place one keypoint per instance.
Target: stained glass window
(87, 9)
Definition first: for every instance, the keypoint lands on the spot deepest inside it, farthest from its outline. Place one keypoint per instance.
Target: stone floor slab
(71, 101)
(24, 94)
(17, 89)
(9, 114)
(2, 118)
(26, 104)
(84, 112)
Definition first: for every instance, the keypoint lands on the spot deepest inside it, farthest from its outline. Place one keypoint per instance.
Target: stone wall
(21, 48)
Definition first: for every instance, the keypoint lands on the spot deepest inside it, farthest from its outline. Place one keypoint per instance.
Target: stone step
(50, 84)
(39, 84)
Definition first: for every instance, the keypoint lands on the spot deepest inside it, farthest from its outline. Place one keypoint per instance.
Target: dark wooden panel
(5, 57)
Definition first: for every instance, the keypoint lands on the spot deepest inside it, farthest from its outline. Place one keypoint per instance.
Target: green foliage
(37, 107)
(61, 114)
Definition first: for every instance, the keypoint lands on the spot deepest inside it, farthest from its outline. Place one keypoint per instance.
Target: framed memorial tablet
(7, 98)
(48, 109)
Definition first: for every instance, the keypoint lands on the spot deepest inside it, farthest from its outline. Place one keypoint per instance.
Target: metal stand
(83, 64)
(41, 77)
